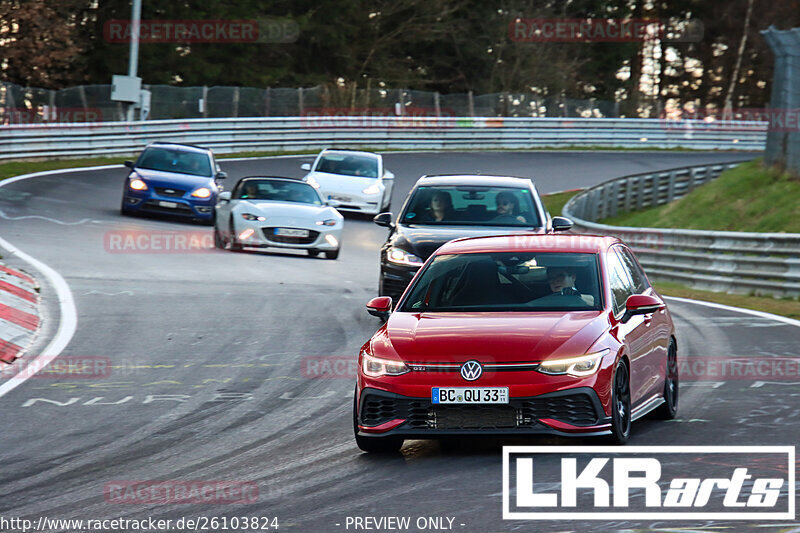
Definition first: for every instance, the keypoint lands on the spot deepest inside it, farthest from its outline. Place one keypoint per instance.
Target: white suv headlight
(579, 367)
(372, 189)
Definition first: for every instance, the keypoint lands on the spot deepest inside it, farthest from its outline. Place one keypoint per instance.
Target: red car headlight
(376, 367)
(579, 367)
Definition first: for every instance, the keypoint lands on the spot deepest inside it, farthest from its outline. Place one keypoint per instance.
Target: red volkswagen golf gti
(520, 334)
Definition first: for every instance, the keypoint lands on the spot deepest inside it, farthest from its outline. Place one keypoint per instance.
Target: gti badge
(471, 370)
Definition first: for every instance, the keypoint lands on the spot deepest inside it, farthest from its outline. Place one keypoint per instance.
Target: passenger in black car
(441, 207)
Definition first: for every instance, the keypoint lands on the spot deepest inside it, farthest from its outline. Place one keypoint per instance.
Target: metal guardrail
(433, 133)
(743, 262)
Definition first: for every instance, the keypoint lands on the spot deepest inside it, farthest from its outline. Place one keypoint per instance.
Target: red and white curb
(19, 313)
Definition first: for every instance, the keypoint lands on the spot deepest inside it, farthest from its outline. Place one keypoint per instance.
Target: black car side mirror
(129, 164)
(561, 224)
(383, 219)
(221, 175)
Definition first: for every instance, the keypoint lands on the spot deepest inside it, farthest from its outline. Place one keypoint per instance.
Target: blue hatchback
(173, 179)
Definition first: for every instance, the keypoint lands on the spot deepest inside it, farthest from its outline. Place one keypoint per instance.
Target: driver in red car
(562, 281)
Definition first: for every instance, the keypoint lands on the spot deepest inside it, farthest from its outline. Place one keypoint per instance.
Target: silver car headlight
(326, 222)
(253, 218)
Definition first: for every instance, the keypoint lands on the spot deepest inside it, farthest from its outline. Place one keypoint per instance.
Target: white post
(133, 59)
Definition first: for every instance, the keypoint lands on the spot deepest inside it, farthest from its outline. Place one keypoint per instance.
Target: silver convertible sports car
(265, 212)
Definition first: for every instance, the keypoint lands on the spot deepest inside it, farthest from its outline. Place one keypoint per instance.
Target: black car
(442, 208)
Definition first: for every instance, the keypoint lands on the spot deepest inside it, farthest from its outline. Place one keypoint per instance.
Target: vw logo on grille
(169, 191)
(471, 370)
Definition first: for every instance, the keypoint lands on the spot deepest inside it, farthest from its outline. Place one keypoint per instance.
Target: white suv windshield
(348, 165)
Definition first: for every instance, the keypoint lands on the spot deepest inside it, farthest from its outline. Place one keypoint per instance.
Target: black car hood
(422, 241)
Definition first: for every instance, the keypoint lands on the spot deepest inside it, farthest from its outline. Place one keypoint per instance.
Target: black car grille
(269, 233)
(577, 409)
(168, 191)
(180, 209)
(393, 288)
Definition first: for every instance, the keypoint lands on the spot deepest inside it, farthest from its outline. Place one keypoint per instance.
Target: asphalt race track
(209, 355)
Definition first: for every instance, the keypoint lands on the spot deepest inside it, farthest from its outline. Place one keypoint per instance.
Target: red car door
(657, 327)
(634, 333)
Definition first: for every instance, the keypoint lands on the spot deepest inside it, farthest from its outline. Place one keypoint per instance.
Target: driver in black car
(508, 208)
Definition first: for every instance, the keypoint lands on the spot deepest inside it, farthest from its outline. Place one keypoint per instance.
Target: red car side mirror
(641, 304)
(380, 307)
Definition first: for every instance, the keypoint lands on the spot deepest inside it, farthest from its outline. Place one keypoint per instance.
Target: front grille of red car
(577, 409)
(473, 417)
(377, 410)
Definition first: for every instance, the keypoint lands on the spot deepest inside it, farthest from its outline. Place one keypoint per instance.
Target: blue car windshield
(178, 161)
(507, 281)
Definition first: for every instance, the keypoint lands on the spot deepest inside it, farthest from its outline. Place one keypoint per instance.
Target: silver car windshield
(276, 191)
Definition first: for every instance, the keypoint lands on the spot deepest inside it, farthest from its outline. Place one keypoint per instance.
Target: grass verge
(750, 197)
(784, 307)
(777, 306)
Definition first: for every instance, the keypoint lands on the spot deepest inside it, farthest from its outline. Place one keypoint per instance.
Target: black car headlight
(399, 256)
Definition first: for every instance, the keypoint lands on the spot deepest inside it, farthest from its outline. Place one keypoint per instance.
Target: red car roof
(530, 242)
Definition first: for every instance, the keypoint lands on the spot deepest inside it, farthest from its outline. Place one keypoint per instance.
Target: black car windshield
(471, 206)
(507, 281)
(348, 165)
(179, 161)
(276, 190)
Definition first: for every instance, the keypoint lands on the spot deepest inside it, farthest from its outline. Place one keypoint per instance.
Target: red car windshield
(507, 281)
